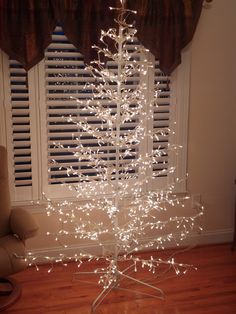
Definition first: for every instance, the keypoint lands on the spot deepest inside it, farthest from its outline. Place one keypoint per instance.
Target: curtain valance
(164, 26)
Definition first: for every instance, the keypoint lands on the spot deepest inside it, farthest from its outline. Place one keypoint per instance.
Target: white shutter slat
(162, 104)
(66, 54)
(93, 148)
(16, 71)
(20, 104)
(20, 111)
(21, 150)
(70, 134)
(24, 167)
(89, 178)
(19, 79)
(59, 63)
(22, 158)
(103, 153)
(20, 175)
(69, 71)
(23, 182)
(68, 103)
(67, 96)
(90, 141)
(24, 95)
(60, 46)
(22, 138)
(160, 124)
(20, 119)
(21, 128)
(68, 88)
(67, 80)
(18, 87)
(58, 37)
(69, 163)
(90, 120)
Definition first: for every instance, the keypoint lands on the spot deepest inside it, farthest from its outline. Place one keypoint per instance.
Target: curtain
(164, 27)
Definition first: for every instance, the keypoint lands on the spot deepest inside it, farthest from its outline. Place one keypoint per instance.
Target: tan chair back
(5, 205)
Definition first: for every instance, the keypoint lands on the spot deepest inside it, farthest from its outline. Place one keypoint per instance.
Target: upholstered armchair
(16, 225)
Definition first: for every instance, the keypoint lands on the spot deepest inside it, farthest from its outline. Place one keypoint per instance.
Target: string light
(119, 187)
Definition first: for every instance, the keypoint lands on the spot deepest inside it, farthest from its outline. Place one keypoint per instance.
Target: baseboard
(214, 237)
(206, 237)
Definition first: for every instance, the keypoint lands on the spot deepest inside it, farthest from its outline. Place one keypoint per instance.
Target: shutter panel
(66, 77)
(21, 137)
(161, 123)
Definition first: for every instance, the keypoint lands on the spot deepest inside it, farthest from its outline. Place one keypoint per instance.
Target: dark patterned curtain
(165, 27)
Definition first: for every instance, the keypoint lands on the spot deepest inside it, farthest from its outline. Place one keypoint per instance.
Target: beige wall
(212, 122)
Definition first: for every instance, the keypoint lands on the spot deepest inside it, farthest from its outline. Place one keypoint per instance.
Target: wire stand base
(121, 275)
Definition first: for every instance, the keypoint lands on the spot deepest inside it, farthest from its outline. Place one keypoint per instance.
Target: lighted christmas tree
(117, 116)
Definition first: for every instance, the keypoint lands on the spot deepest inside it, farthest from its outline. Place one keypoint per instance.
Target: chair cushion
(23, 223)
(10, 246)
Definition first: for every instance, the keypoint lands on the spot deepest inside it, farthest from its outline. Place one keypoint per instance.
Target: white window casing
(32, 106)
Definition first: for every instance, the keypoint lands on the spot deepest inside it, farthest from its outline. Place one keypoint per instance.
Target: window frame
(179, 101)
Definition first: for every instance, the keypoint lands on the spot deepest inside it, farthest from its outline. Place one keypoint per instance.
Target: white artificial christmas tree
(119, 183)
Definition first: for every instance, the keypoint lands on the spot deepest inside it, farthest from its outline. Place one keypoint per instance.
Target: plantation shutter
(21, 137)
(17, 118)
(161, 121)
(65, 80)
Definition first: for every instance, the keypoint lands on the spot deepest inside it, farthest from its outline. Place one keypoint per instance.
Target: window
(34, 107)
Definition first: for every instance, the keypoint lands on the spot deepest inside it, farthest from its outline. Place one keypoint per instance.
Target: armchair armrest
(22, 223)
